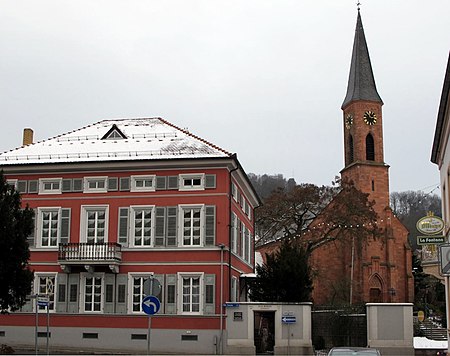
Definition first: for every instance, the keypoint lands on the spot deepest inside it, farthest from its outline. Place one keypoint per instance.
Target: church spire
(361, 83)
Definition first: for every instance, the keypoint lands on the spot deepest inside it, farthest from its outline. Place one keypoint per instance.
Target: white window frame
(131, 277)
(201, 296)
(40, 212)
(36, 289)
(44, 181)
(133, 208)
(235, 232)
(84, 217)
(12, 182)
(191, 176)
(82, 298)
(88, 180)
(135, 179)
(181, 209)
(234, 289)
(234, 191)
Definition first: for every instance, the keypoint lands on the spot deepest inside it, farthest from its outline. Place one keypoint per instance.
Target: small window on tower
(370, 148)
(350, 148)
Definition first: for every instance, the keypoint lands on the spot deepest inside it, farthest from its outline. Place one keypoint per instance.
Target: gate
(339, 326)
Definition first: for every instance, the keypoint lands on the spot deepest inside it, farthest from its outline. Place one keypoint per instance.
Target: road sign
(289, 319)
(152, 286)
(445, 259)
(150, 305)
(430, 240)
(42, 300)
(231, 305)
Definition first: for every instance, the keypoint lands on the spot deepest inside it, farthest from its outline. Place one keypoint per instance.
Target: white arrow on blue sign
(150, 305)
(289, 319)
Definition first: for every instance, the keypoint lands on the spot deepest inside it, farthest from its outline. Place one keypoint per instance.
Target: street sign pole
(289, 339)
(37, 324)
(149, 320)
(48, 328)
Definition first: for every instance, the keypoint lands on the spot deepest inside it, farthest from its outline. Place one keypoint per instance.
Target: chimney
(27, 137)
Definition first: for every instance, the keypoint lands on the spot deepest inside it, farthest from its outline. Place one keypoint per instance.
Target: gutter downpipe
(230, 197)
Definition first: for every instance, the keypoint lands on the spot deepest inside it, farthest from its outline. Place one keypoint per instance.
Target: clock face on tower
(370, 118)
(349, 121)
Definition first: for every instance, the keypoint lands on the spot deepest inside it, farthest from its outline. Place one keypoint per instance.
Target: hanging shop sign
(430, 225)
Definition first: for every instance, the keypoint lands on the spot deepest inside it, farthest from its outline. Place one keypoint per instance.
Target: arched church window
(370, 148)
(350, 149)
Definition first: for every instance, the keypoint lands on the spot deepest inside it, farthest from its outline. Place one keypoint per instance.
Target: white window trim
(42, 181)
(86, 188)
(234, 191)
(235, 232)
(37, 275)
(132, 275)
(180, 293)
(83, 288)
(83, 220)
(131, 227)
(12, 182)
(133, 180)
(234, 288)
(181, 208)
(38, 236)
(182, 177)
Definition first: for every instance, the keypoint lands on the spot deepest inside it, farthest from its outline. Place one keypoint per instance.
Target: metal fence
(339, 326)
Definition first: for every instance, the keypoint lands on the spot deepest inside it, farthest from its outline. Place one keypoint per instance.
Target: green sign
(430, 240)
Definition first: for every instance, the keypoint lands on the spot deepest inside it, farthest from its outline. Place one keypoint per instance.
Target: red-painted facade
(186, 222)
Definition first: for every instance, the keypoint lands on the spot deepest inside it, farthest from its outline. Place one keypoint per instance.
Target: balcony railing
(90, 252)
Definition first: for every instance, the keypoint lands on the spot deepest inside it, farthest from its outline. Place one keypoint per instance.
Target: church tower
(363, 126)
(382, 271)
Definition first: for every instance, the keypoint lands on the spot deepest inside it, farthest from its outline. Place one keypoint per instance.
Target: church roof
(116, 140)
(361, 82)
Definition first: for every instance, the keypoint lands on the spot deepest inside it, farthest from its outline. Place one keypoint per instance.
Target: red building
(119, 201)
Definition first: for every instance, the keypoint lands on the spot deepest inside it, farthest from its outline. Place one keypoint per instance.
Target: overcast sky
(263, 79)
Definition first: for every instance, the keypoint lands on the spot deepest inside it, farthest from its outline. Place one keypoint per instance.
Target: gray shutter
(28, 306)
(77, 185)
(22, 186)
(160, 226)
(123, 226)
(61, 290)
(171, 294)
(161, 182)
(31, 237)
(66, 185)
(209, 301)
(210, 225)
(172, 182)
(125, 183)
(122, 293)
(233, 231)
(161, 296)
(109, 293)
(113, 184)
(33, 186)
(171, 231)
(65, 226)
(210, 181)
(74, 291)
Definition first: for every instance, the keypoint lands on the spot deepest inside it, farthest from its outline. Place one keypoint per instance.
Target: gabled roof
(439, 140)
(136, 139)
(361, 82)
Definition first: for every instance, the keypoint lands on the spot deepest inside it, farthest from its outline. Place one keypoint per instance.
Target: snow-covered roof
(116, 140)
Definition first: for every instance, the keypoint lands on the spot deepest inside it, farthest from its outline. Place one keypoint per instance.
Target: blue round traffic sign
(150, 305)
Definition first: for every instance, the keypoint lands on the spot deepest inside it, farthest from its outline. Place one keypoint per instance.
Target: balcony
(89, 255)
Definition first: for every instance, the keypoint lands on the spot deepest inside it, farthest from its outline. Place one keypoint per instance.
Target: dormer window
(114, 133)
